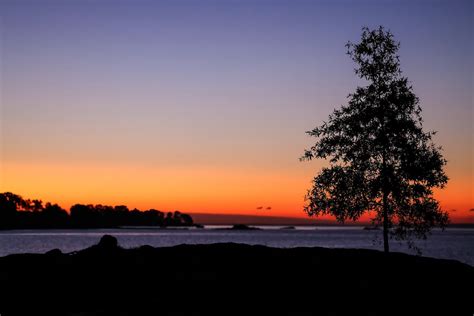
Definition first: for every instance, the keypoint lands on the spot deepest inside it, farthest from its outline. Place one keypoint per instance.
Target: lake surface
(453, 243)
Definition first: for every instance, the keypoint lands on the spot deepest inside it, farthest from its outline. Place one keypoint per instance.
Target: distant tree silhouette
(153, 217)
(380, 158)
(16, 212)
(9, 204)
(186, 220)
(37, 205)
(84, 216)
(53, 216)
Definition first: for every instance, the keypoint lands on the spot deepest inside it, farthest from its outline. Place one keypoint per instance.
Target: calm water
(454, 243)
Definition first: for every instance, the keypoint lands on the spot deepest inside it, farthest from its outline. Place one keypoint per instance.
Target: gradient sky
(202, 106)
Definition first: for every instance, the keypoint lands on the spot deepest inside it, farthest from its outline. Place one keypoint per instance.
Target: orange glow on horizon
(194, 190)
(203, 190)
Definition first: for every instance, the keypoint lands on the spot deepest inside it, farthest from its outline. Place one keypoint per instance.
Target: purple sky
(224, 87)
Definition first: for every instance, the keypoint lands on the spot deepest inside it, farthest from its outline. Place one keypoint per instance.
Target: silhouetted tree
(84, 216)
(53, 216)
(176, 218)
(16, 212)
(9, 205)
(168, 220)
(36, 205)
(153, 217)
(186, 220)
(380, 158)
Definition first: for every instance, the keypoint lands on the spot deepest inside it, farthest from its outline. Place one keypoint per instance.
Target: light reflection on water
(454, 243)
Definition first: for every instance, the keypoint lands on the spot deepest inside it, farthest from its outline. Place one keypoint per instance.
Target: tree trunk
(386, 247)
(385, 190)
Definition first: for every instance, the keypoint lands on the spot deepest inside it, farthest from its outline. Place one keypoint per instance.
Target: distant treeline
(16, 212)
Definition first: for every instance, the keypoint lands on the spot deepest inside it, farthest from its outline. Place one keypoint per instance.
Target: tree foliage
(380, 158)
(16, 212)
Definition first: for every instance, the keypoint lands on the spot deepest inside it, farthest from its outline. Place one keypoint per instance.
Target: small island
(243, 227)
(239, 227)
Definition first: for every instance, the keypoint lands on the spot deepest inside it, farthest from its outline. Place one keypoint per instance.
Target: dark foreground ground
(232, 279)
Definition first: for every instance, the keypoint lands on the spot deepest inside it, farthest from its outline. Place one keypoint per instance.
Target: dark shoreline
(232, 279)
(315, 225)
(202, 226)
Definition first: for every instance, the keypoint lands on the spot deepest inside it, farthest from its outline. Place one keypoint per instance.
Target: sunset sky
(202, 106)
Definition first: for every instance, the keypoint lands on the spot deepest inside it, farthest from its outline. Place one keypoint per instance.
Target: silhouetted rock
(288, 227)
(231, 279)
(243, 227)
(54, 252)
(146, 248)
(108, 242)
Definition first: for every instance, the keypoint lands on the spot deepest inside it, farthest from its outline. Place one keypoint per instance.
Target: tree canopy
(380, 158)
